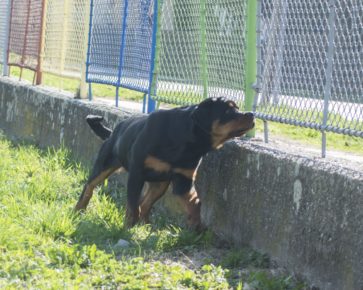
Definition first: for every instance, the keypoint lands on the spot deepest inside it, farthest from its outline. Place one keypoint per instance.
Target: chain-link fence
(26, 34)
(120, 43)
(309, 64)
(311, 71)
(201, 50)
(65, 41)
(4, 34)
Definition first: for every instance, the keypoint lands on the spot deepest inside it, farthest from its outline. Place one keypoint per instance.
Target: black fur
(165, 146)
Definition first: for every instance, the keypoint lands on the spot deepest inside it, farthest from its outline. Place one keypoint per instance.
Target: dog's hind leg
(90, 186)
(154, 191)
(104, 166)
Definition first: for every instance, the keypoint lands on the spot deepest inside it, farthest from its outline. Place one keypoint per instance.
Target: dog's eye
(229, 111)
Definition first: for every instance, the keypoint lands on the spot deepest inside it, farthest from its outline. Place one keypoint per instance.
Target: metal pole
(328, 74)
(10, 21)
(90, 97)
(6, 40)
(251, 57)
(117, 95)
(258, 85)
(39, 72)
(83, 84)
(153, 62)
(204, 66)
(265, 131)
(144, 102)
(89, 52)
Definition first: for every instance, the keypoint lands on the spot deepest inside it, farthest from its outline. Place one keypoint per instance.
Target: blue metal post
(152, 79)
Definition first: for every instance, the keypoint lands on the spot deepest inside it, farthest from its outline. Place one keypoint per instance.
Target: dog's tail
(95, 123)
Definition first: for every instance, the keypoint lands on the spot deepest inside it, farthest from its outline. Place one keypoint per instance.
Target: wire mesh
(106, 27)
(25, 33)
(120, 43)
(135, 70)
(225, 47)
(65, 37)
(4, 8)
(201, 50)
(312, 56)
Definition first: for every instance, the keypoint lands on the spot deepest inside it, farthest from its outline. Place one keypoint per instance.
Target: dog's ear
(201, 114)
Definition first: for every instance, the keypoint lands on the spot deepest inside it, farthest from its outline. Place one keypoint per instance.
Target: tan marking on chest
(220, 133)
(156, 164)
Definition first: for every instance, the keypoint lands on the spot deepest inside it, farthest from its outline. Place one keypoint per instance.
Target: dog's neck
(202, 138)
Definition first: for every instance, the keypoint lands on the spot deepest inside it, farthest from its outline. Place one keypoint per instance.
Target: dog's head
(222, 120)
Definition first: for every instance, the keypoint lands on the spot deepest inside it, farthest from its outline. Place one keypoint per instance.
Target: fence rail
(120, 44)
(309, 53)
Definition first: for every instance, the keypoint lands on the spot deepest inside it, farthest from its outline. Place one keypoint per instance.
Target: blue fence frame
(121, 45)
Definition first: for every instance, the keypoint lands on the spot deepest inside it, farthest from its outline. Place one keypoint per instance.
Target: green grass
(44, 245)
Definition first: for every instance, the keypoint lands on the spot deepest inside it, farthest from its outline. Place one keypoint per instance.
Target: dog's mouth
(240, 132)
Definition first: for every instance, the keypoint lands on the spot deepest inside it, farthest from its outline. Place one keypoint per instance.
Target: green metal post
(251, 57)
(203, 55)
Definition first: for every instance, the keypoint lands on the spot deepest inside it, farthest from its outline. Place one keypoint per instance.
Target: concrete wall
(307, 214)
(52, 118)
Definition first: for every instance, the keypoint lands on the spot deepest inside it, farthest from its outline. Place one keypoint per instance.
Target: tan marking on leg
(156, 164)
(132, 216)
(188, 173)
(191, 204)
(154, 191)
(89, 187)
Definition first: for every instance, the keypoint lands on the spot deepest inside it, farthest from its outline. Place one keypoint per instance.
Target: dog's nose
(250, 115)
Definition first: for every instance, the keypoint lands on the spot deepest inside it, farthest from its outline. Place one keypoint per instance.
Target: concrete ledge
(307, 214)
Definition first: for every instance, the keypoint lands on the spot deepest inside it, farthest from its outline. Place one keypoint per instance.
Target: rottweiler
(162, 148)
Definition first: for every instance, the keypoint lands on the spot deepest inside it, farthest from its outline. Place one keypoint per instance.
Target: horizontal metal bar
(316, 126)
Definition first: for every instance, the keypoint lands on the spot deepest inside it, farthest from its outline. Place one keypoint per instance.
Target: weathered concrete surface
(52, 118)
(307, 214)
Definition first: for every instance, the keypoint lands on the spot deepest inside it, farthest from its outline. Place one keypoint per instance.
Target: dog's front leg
(188, 197)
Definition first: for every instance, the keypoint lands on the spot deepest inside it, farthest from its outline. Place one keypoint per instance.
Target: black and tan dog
(162, 148)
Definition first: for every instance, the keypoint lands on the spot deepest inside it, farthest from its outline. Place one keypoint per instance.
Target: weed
(245, 257)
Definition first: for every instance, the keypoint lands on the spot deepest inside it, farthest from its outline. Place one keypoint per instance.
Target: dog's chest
(160, 170)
